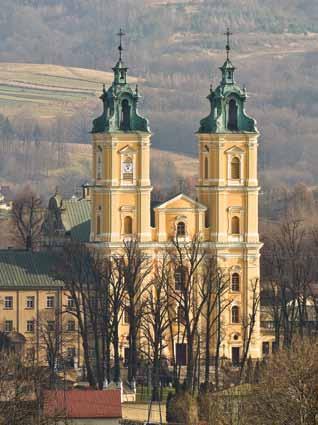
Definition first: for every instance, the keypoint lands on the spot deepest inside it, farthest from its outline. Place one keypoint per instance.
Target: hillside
(174, 48)
(48, 89)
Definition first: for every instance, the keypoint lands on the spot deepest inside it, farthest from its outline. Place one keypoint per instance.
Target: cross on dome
(228, 34)
(120, 47)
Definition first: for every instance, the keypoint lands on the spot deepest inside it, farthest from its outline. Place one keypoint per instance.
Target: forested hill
(175, 49)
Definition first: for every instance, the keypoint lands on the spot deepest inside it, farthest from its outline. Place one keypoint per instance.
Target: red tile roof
(88, 404)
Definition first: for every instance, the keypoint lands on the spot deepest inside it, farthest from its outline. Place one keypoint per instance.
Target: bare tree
(135, 267)
(54, 337)
(116, 306)
(214, 286)
(286, 393)
(288, 267)
(156, 320)
(87, 279)
(249, 321)
(21, 386)
(27, 217)
(186, 259)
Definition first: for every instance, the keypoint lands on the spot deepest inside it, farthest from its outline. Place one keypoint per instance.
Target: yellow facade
(26, 316)
(225, 214)
(221, 198)
(120, 195)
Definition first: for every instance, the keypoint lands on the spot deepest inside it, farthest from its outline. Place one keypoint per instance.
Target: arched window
(181, 229)
(125, 115)
(235, 169)
(235, 282)
(180, 276)
(235, 314)
(206, 167)
(232, 122)
(128, 225)
(99, 166)
(235, 226)
(98, 225)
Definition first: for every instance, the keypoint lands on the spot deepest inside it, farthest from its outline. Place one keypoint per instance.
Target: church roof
(27, 269)
(227, 104)
(76, 218)
(71, 217)
(120, 103)
(187, 203)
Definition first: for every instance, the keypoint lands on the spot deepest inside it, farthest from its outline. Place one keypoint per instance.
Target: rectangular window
(50, 325)
(181, 354)
(30, 326)
(8, 303)
(265, 348)
(71, 353)
(29, 302)
(50, 301)
(235, 356)
(126, 356)
(98, 225)
(71, 325)
(70, 302)
(8, 326)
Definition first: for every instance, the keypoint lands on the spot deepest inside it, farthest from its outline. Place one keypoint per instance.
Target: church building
(225, 211)
(117, 206)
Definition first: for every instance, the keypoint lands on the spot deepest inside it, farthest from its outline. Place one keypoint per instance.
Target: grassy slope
(48, 89)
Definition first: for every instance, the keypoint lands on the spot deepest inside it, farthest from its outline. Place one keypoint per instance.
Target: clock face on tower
(127, 167)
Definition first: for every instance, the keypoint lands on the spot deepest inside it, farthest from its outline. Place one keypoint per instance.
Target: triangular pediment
(181, 202)
(234, 150)
(127, 150)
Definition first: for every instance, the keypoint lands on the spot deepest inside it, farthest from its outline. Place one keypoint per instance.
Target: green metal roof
(26, 269)
(220, 100)
(76, 218)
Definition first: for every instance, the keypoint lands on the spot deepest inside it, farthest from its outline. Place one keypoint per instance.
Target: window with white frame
(50, 301)
(30, 326)
(235, 314)
(8, 302)
(29, 302)
(70, 302)
(235, 168)
(235, 282)
(8, 326)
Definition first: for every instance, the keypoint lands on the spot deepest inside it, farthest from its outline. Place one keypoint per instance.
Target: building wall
(39, 314)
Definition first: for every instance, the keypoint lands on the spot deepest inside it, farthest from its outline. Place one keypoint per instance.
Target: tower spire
(120, 47)
(228, 34)
(120, 70)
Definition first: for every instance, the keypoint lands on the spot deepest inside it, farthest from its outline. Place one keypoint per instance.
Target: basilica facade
(117, 206)
(224, 213)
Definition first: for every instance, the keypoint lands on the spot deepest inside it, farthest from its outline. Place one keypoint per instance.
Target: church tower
(228, 187)
(121, 155)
